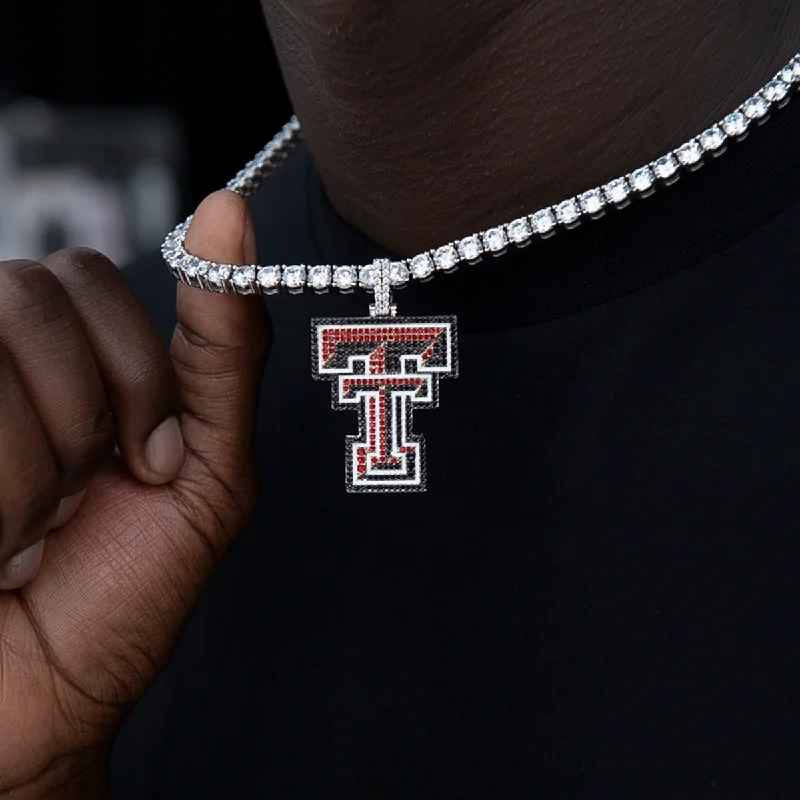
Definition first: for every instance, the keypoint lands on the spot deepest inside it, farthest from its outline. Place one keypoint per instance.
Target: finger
(220, 345)
(67, 509)
(43, 333)
(22, 568)
(136, 370)
(136, 559)
(29, 478)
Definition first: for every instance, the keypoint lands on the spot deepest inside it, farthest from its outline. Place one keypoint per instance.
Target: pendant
(384, 367)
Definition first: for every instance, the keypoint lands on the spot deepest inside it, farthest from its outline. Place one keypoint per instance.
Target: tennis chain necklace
(385, 366)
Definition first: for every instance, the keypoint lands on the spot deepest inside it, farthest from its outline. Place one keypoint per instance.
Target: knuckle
(27, 286)
(83, 266)
(27, 503)
(151, 375)
(89, 444)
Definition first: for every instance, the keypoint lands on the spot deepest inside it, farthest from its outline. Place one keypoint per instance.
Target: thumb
(220, 346)
(118, 582)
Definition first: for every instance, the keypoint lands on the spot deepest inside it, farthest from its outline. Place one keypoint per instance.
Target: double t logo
(385, 368)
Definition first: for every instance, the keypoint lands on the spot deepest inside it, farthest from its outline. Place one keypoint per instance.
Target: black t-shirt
(598, 595)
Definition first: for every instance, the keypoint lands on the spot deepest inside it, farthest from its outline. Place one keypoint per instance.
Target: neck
(430, 119)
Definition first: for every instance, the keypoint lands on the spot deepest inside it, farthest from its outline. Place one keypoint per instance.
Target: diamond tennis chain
(494, 241)
(385, 367)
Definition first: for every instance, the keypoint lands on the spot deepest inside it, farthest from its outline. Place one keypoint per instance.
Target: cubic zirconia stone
(368, 276)
(796, 68)
(470, 248)
(735, 124)
(543, 222)
(345, 278)
(244, 277)
(446, 257)
(775, 91)
(712, 139)
(690, 153)
(494, 239)
(201, 267)
(568, 212)
(617, 191)
(398, 273)
(319, 277)
(519, 231)
(218, 274)
(642, 179)
(786, 74)
(269, 278)
(756, 107)
(294, 276)
(592, 202)
(190, 265)
(422, 266)
(666, 167)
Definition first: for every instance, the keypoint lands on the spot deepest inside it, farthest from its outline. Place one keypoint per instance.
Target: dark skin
(430, 120)
(426, 124)
(129, 551)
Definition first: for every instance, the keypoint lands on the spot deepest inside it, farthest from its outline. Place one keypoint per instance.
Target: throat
(428, 121)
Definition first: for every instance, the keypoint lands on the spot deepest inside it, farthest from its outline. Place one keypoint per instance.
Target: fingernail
(165, 449)
(67, 508)
(22, 568)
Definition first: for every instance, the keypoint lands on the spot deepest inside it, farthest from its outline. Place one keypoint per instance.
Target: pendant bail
(382, 307)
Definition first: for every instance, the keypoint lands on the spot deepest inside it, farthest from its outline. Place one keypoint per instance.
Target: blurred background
(117, 118)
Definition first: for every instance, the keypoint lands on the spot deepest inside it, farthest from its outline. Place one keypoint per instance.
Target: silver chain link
(495, 241)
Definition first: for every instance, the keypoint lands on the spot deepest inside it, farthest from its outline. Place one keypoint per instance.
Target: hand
(104, 553)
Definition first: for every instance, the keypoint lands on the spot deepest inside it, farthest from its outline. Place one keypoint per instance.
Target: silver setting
(269, 279)
(519, 231)
(713, 139)
(568, 212)
(244, 280)
(735, 125)
(690, 154)
(319, 277)
(757, 107)
(666, 167)
(217, 277)
(382, 307)
(776, 91)
(617, 191)
(368, 275)
(495, 240)
(345, 278)
(294, 278)
(642, 180)
(191, 266)
(592, 202)
(492, 242)
(399, 274)
(422, 266)
(446, 258)
(471, 249)
(543, 222)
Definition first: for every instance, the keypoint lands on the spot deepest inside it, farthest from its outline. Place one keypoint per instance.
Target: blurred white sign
(96, 178)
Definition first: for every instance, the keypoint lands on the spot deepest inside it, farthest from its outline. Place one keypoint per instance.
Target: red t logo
(385, 369)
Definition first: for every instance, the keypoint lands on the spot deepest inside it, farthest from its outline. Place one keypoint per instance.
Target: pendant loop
(382, 307)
